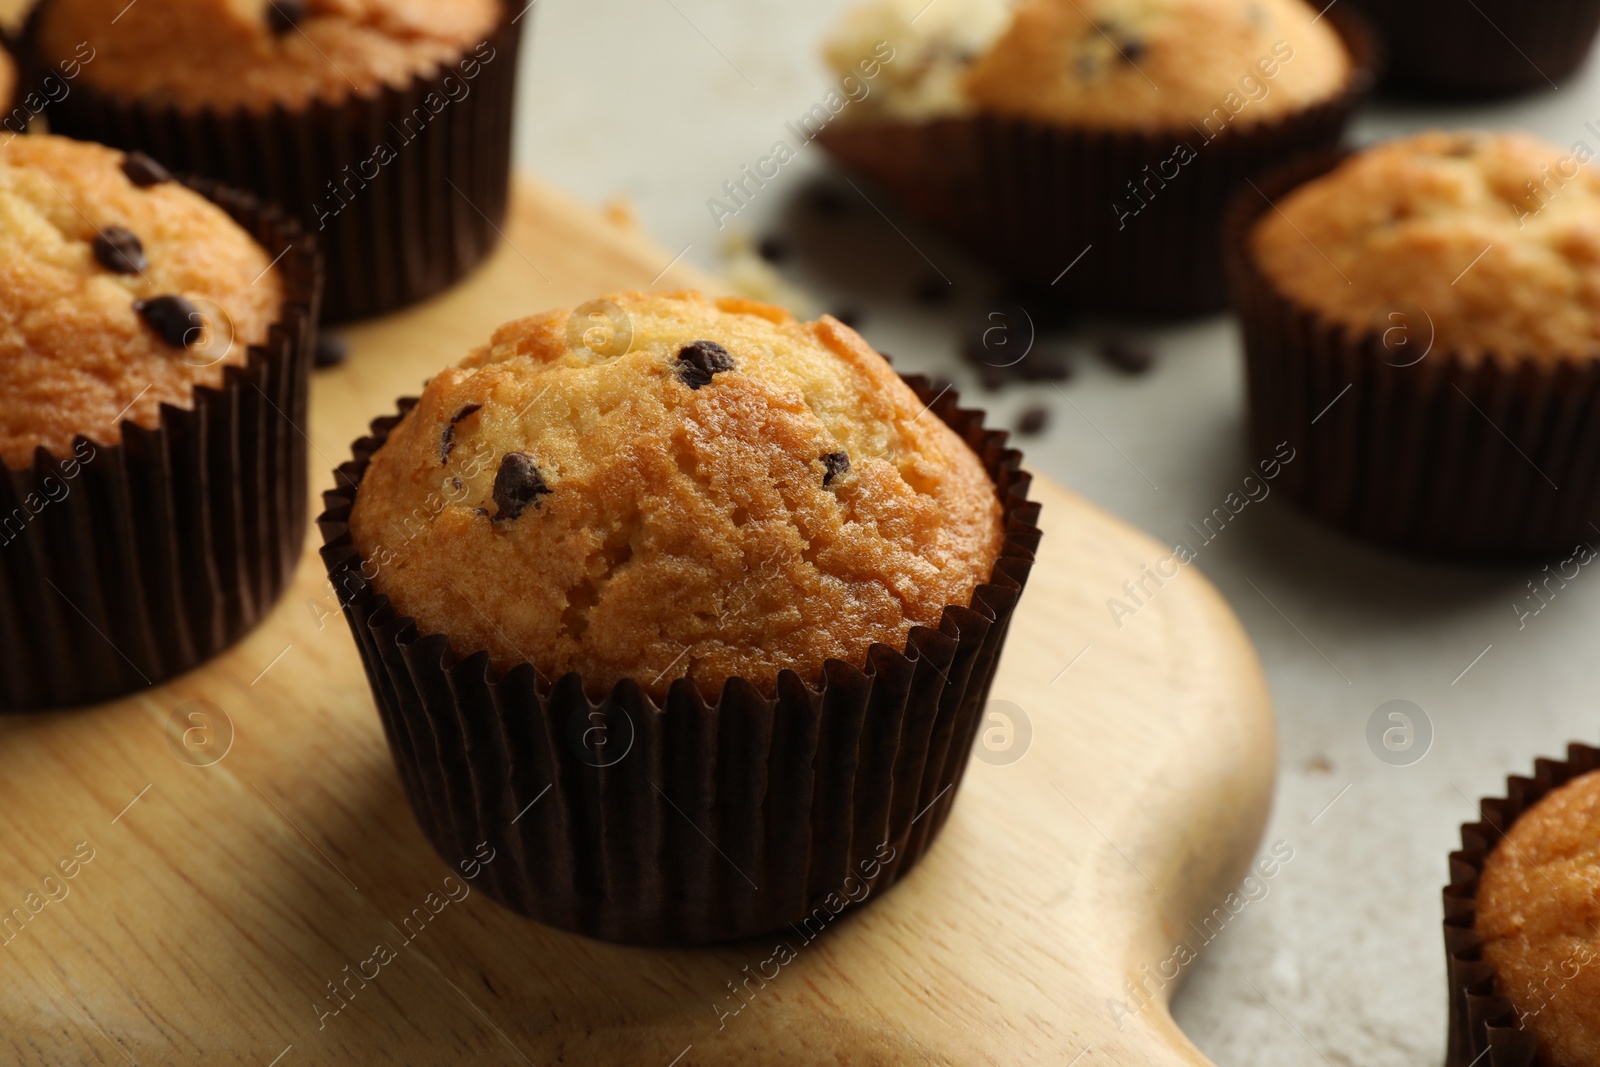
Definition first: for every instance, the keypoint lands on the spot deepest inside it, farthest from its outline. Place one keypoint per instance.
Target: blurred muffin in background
(155, 343)
(735, 548)
(1406, 286)
(384, 125)
(1438, 48)
(1114, 129)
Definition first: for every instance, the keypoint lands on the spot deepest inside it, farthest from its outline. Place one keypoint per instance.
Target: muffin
(153, 356)
(384, 125)
(1439, 49)
(1521, 923)
(706, 567)
(1421, 323)
(1087, 151)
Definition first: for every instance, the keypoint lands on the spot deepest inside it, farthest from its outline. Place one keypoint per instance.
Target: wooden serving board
(178, 913)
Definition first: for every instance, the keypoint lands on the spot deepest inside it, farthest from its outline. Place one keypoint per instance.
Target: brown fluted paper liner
(1484, 1029)
(140, 559)
(1441, 48)
(395, 226)
(1029, 198)
(700, 822)
(1494, 460)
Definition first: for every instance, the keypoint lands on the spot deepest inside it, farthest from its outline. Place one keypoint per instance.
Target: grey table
(662, 101)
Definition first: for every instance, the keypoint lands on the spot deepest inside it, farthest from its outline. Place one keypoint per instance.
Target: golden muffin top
(93, 250)
(1539, 917)
(1495, 237)
(666, 485)
(1194, 67)
(253, 54)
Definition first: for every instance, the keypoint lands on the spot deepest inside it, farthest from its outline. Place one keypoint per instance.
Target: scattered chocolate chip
(1033, 421)
(699, 361)
(773, 249)
(447, 442)
(993, 378)
(173, 317)
(1127, 356)
(837, 463)
(1044, 365)
(933, 292)
(466, 412)
(851, 317)
(285, 15)
(144, 171)
(517, 484)
(119, 250)
(331, 350)
(830, 202)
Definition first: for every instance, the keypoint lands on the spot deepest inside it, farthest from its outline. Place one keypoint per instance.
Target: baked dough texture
(75, 354)
(1144, 65)
(1495, 237)
(1539, 917)
(243, 54)
(603, 491)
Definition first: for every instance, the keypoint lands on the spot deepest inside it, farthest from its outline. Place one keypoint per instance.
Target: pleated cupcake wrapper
(123, 569)
(695, 822)
(1475, 461)
(393, 233)
(1030, 198)
(1445, 49)
(1484, 1026)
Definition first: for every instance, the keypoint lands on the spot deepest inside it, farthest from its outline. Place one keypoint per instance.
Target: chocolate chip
(517, 484)
(1127, 356)
(933, 292)
(447, 437)
(773, 249)
(837, 463)
(830, 202)
(993, 378)
(120, 250)
(285, 15)
(173, 317)
(1044, 365)
(1033, 421)
(331, 350)
(699, 361)
(144, 171)
(850, 316)
(1133, 49)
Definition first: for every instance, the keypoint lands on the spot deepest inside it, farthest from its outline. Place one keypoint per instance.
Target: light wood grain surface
(220, 901)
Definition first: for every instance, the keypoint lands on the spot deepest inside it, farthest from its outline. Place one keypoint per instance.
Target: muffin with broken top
(742, 544)
(1040, 131)
(152, 355)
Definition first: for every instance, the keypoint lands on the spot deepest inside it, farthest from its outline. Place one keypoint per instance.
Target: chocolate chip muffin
(1114, 129)
(384, 125)
(155, 341)
(735, 495)
(225, 55)
(1538, 917)
(1415, 281)
(1495, 236)
(120, 291)
(718, 582)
